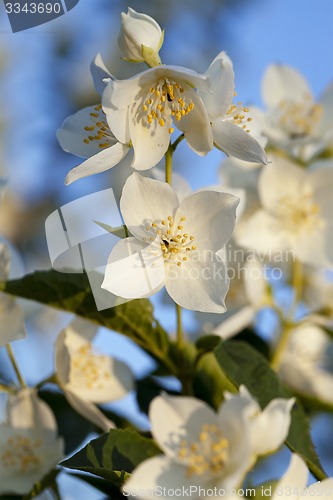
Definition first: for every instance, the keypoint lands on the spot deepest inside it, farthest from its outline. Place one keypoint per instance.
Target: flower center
(208, 454)
(299, 119)
(89, 369)
(176, 244)
(237, 115)
(164, 98)
(298, 214)
(98, 129)
(20, 454)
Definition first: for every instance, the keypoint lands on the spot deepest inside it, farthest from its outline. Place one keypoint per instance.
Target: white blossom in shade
(11, 315)
(140, 38)
(236, 129)
(296, 213)
(248, 293)
(276, 415)
(304, 362)
(173, 245)
(293, 120)
(87, 134)
(88, 378)
(29, 445)
(293, 483)
(317, 294)
(200, 447)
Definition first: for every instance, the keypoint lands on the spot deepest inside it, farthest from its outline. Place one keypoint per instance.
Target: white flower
(296, 214)
(11, 315)
(143, 109)
(293, 483)
(236, 129)
(88, 378)
(87, 134)
(29, 446)
(201, 447)
(140, 38)
(294, 121)
(276, 415)
(303, 362)
(174, 245)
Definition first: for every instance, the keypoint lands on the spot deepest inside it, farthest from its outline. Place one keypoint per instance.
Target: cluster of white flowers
(267, 214)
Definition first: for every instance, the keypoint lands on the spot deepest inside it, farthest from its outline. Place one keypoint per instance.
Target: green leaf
(113, 455)
(207, 342)
(71, 292)
(244, 365)
(119, 231)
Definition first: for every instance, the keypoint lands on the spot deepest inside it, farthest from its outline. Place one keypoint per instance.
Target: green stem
(281, 346)
(180, 339)
(288, 325)
(15, 366)
(168, 165)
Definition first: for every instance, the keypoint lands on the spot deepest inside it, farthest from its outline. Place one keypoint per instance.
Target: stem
(180, 340)
(297, 283)
(168, 165)
(287, 325)
(282, 344)
(15, 366)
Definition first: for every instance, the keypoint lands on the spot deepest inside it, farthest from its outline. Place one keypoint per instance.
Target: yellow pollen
(171, 239)
(208, 455)
(171, 130)
(20, 454)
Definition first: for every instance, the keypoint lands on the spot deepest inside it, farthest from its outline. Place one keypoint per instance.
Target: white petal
(179, 184)
(99, 72)
(255, 283)
(315, 247)
(176, 418)
(320, 183)
(126, 91)
(238, 193)
(72, 134)
(89, 411)
(199, 285)
(234, 141)
(25, 410)
(283, 82)
(12, 325)
(261, 233)
(326, 100)
(210, 217)
(196, 127)
(221, 75)
(144, 201)
(320, 489)
(275, 416)
(282, 178)
(114, 382)
(102, 161)
(134, 269)
(155, 474)
(235, 323)
(117, 118)
(294, 480)
(150, 141)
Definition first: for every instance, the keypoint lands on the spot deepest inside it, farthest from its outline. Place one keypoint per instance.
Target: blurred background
(44, 77)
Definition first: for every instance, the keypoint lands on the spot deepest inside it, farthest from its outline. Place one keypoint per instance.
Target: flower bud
(140, 38)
